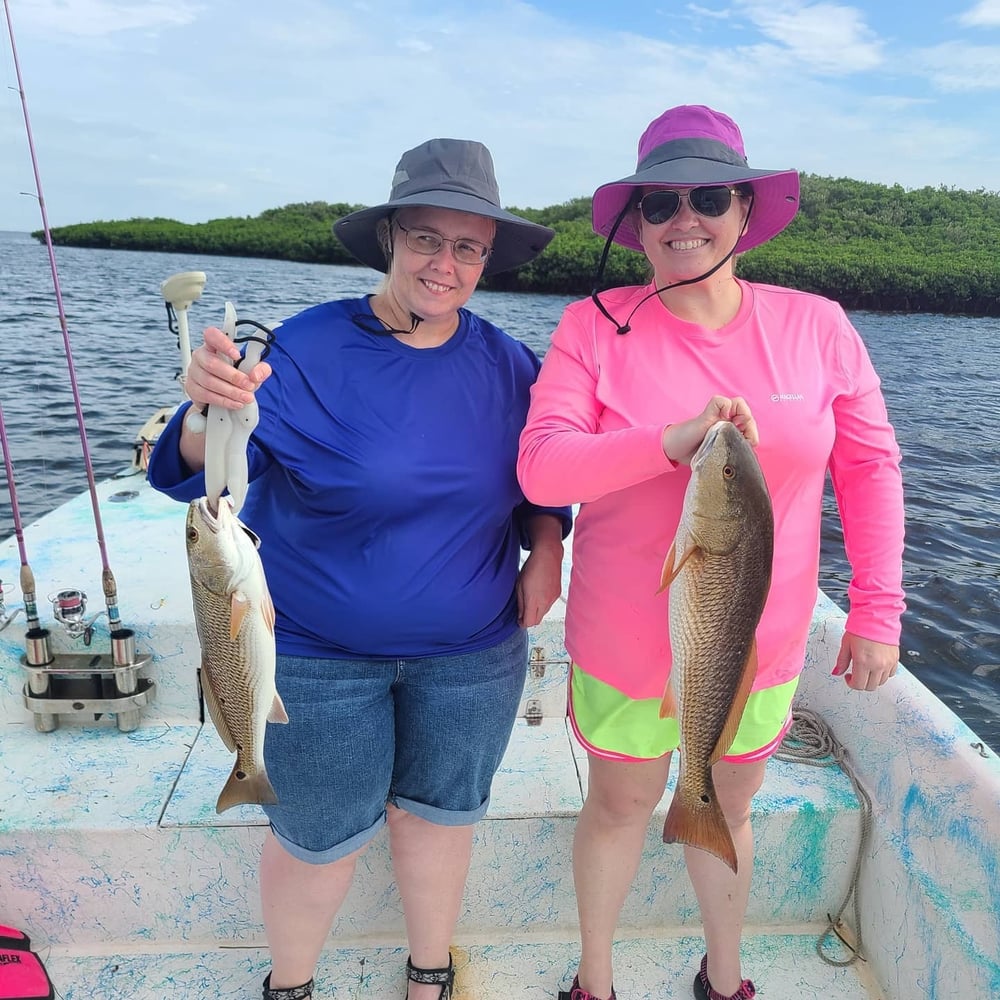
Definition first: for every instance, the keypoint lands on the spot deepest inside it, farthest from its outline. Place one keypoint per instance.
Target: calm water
(938, 376)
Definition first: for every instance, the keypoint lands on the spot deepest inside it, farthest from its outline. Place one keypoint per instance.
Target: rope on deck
(810, 741)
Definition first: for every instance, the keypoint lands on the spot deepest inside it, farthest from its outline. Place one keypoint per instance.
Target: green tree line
(869, 246)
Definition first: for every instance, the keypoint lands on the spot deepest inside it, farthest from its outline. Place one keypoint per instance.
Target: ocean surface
(939, 376)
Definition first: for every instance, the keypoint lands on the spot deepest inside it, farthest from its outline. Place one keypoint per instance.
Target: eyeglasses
(658, 207)
(428, 243)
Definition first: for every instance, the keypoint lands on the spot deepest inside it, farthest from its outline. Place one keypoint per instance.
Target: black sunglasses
(658, 207)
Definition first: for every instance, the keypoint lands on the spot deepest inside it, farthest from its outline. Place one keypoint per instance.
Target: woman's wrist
(674, 448)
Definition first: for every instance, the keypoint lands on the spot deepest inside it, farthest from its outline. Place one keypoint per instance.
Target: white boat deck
(113, 859)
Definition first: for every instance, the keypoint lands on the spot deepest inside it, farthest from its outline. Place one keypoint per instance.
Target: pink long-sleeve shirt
(593, 436)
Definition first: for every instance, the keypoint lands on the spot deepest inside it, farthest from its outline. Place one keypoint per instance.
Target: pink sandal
(576, 992)
(703, 988)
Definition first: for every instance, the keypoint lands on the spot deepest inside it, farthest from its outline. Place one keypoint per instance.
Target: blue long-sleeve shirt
(383, 485)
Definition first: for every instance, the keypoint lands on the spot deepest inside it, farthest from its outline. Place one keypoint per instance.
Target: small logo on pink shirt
(787, 397)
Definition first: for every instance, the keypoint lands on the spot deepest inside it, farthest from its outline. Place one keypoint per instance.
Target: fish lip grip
(227, 432)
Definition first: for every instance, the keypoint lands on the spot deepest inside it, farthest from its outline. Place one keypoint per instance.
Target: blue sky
(198, 110)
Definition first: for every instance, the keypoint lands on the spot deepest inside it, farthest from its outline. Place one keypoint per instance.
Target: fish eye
(728, 471)
(192, 534)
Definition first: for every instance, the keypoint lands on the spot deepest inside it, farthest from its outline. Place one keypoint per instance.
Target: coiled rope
(810, 741)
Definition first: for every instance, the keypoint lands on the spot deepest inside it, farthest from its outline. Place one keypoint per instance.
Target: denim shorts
(426, 734)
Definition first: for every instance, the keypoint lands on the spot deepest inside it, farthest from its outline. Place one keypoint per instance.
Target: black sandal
(445, 978)
(303, 992)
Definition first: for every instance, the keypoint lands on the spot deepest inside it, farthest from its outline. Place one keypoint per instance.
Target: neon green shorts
(610, 724)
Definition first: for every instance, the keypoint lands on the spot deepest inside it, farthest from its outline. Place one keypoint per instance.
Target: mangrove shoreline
(869, 246)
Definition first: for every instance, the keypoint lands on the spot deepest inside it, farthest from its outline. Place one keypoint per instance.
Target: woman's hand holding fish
(871, 663)
(213, 379)
(681, 441)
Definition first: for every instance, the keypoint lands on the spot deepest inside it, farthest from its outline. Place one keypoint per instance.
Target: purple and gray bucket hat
(693, 145)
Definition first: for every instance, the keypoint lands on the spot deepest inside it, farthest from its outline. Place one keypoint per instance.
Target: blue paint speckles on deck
(645, 969)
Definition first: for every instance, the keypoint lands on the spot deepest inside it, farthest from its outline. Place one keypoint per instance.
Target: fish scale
(222, 661)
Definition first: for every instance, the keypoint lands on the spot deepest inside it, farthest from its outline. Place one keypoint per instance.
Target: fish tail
(699, 823)
(243, 788)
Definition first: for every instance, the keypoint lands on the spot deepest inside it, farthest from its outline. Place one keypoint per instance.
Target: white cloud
(97, 18)
(417, 45)
(707, 13)
(827, 37)
(959, 68)
(985, 14)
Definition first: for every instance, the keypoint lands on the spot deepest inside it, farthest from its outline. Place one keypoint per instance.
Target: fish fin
(668, 705)
(243, 788)
(672, 565)
(667, 575)
(238, 608)
(735, 716)
(215, 710)
(267, 610)
(277, 713)
(700, 824)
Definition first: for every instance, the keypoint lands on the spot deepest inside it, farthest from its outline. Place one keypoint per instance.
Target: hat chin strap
(623, 328)
(381, 328)
(415, 321)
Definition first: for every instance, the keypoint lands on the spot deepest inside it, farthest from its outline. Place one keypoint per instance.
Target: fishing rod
(51, 678)
(107, 577)
(27, 579)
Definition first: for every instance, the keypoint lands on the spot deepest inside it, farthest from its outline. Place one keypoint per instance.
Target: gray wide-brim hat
(693, 145)
(446, 173)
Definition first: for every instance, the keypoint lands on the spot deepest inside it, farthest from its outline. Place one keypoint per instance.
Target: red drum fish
(235, 621)
(719, 572)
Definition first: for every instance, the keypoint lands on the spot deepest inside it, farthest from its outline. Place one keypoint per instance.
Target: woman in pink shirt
(633, 380)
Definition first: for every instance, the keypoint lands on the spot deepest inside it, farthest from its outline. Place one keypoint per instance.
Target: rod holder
(38, 656)
(126, 676)
(81, 684)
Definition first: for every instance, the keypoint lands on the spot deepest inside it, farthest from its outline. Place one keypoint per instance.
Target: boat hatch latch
(537, 662)
(533, 712)
(80, 684)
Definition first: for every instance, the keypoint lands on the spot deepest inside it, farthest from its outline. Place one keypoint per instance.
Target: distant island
(869, 246)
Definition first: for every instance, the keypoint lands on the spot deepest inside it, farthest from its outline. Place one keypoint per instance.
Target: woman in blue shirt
(383, 487)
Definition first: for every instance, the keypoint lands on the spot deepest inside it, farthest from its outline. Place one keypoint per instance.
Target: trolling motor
(180, 292)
